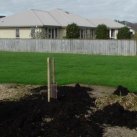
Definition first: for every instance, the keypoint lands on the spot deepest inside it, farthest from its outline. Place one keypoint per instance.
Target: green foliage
(124, 33)
(72, 31)
(30, 68)
(102, 32)
(135, 36)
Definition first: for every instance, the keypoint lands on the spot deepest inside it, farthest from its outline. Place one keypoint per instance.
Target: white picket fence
(96, 47)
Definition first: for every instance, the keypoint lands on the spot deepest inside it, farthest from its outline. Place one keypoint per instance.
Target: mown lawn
(31, 68)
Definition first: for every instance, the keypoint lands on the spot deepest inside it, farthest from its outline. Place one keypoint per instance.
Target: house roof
(65, 18)
(129, 24)
(43, 18)
(108, 22)
(28, 18)
(56, 17)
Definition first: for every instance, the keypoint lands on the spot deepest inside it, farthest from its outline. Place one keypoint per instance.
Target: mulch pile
(69, 116)
(121, 91)
(122, 96)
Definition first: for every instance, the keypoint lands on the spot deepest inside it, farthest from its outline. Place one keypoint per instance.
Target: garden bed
(80, 111)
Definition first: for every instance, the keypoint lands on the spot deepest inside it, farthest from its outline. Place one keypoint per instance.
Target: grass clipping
(129, 102)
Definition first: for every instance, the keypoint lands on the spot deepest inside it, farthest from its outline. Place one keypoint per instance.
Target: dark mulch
(121, 91)
(33, 116)
(115, 115)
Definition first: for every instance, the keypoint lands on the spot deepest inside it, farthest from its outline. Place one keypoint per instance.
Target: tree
(124, 33)
(72, 31)
(102, 32)
(135, 36)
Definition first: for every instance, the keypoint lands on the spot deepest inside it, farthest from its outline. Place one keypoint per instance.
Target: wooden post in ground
(49, 77)
(53, 71)
(53, 83)
(52, 86)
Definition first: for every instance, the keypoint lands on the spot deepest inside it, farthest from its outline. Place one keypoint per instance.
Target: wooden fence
(99, 47)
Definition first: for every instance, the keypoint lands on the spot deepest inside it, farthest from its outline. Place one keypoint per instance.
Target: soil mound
(76, 113)
(121, 91)
(33, 116)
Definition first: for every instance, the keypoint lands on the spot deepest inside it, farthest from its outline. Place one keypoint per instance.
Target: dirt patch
(101, 91)
(128, 102)
(24, 112)
(119, 132)
(14, 91)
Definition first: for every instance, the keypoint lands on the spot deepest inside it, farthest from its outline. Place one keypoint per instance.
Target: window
(17, 33)
(112, 33)
(52, 33)
(49, 33)
(84, 33)
(56, 33)
(81, 33)
(91, 33)
(32, 32)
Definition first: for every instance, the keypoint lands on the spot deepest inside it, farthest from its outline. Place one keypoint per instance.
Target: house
(112, 26)
(130, 25)
(53, 23)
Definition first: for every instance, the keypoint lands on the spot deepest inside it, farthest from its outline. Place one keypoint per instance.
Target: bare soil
(79, 111)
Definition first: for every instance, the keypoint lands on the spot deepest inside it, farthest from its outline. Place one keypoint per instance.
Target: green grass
(31, 68)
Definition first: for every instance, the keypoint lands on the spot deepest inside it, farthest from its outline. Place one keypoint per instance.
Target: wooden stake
(53, 84)
(53, 71)
(49, 77)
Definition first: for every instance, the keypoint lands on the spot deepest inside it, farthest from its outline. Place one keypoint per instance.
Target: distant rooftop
(2, 16)
(57, 17)
(108, 22)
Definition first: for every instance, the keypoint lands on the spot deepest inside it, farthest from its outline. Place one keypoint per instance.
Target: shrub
(72, 31)
(102, 32)
(124, 33)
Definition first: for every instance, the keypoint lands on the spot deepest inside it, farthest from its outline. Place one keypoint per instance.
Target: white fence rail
(101, 47)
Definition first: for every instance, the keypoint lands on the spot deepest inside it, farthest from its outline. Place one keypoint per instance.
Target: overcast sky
(114, 9)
